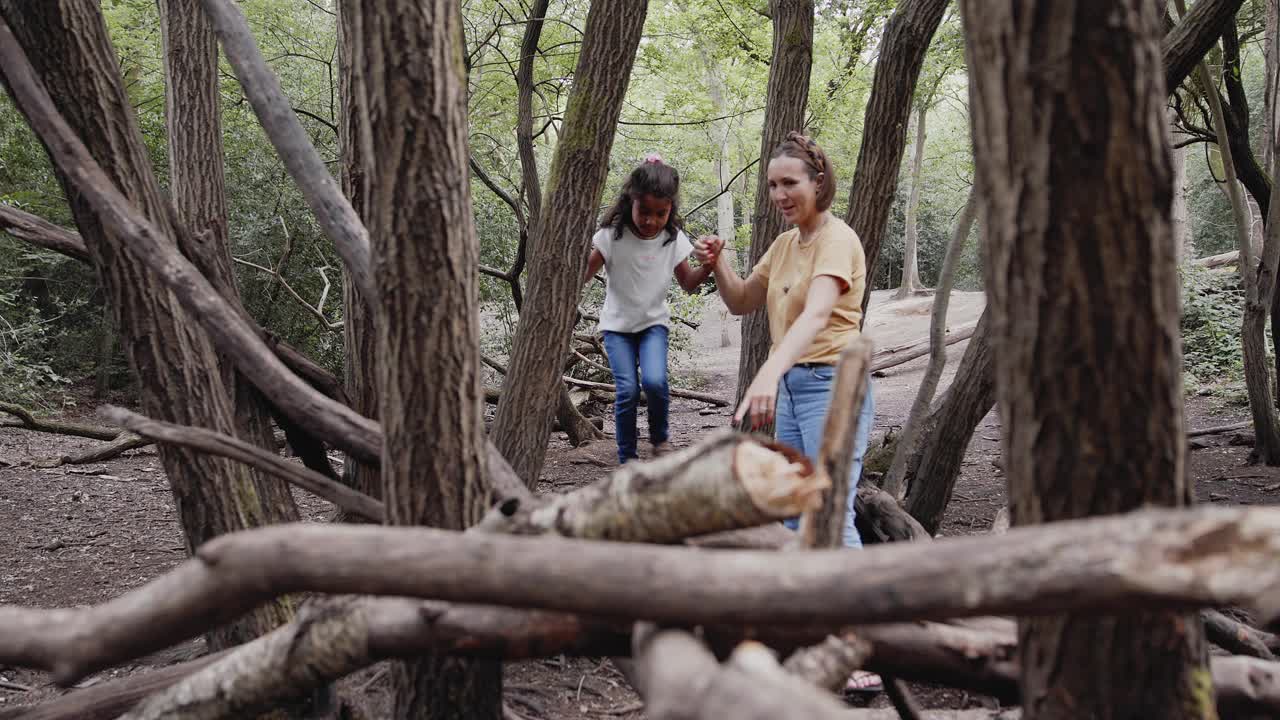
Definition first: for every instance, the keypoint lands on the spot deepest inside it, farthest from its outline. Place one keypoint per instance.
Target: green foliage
(1212, 308)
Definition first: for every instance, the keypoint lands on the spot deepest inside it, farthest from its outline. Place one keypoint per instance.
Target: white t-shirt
(638, 273)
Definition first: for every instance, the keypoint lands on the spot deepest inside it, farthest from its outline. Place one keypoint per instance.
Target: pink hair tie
(653, 159)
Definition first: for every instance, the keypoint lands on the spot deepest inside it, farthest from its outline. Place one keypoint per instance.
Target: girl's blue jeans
(804, 394)
(646, 351)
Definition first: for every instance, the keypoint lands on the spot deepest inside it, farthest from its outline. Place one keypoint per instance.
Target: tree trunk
(193, 123)
(895, 479)
(358, 368)
(1072, 165)
(910, 253)
(726, 224)
(68, 45)
(559, 245)
(427, 256)
(1182, 239)
(875, 179)
(932, 471)
(785, 104)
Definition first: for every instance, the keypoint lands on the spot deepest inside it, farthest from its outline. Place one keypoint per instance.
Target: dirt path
(74, 536)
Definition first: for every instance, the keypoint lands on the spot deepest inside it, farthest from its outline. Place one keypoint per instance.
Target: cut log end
(780, 481)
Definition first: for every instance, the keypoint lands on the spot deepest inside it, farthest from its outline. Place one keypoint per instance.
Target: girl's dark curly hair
(652, 177)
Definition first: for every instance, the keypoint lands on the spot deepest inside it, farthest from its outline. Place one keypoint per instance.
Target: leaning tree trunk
(68, 45)
(1072, 164)
(193, 122)
(875, 179)
(571, 420)
(786, 100)
(359, 351)
(910, 252)
(933, 469)
(558, 247)
(427, 256)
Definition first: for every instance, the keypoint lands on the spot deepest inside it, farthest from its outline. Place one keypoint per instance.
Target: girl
(640, 245)
(811, 282)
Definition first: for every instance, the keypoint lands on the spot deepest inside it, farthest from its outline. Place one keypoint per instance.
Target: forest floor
(78, 535)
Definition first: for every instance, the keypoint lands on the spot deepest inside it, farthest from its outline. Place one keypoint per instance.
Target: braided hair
(652, 177)
(804, 149)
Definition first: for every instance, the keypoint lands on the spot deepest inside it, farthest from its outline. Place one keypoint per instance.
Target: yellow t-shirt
(787, 268)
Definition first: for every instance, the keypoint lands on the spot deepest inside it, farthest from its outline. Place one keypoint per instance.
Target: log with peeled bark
(679, 679)
(900, 354)
(1153, 559)
(1216, 261)
(728, 481)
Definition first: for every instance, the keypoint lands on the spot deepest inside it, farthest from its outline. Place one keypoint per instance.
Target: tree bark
(726, 223)
(1189, 40)
(875, 179)
(895, 480)
(559, 246)
(910, 252)
(193, 125)
(69, 50)
(786, 100)
(426, 257)
(1182, 238)
(359, 370)
(1072, 165)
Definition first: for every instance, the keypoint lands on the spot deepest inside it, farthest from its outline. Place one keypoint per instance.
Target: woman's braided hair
(804, 149)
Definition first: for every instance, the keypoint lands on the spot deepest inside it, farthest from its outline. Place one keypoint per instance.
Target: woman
(811, 282)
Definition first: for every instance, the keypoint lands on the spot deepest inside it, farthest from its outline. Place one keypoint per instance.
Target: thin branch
(332, 210)
(314, 310)
(216, 443)
(724, 189)
(28, 421)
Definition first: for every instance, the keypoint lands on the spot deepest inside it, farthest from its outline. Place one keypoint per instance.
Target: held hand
(707, 249)
(760, 401)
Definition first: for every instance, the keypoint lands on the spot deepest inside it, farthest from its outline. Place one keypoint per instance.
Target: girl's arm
(760, 400)
(689, 278)
(595, 261)
(740, 296)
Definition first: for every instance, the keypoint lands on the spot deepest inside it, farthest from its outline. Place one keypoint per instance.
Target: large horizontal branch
(332, 210)
(216, 443)
(38, 231)
(1186, 44)
(980, 659)
(1151, 559)
(28, 421)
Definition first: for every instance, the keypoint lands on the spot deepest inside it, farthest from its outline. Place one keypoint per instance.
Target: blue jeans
(803, 398)
(647, 351)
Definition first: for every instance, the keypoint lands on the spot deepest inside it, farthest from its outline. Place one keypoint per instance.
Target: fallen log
(1220, 429)
(728, 481)
(675, 392)
(1152, 559)
(1235, 637)
(1220, 260)
(679, 679)
(28, 421)
(899, 354)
